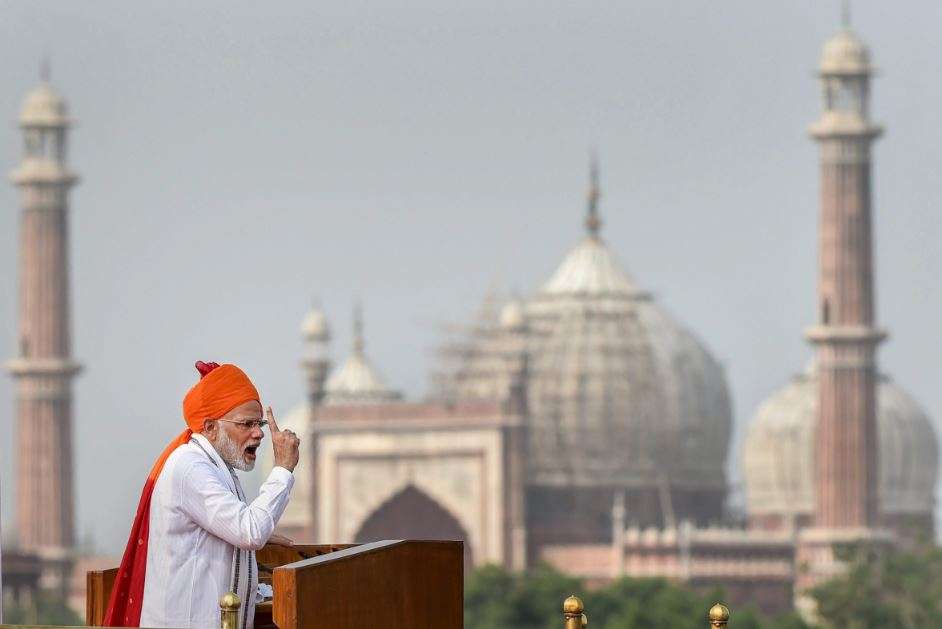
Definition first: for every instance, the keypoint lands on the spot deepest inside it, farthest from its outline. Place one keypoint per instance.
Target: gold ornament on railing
(719, 616)
(573, 613)
(229, 606)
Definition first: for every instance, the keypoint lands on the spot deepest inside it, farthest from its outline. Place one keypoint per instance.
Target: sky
(242, 160)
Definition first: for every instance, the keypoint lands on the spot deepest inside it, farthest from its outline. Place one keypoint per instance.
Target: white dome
(845, 54)
(618, 392)
(778, 454)
(358, 382)
(590, 268)
(44, 107)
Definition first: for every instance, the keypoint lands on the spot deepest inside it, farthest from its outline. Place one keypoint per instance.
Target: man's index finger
(271, 420)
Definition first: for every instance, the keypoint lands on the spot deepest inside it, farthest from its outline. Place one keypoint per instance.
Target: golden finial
(573, 605)
(718, 615)
(572, 613)
(229, 606)
(592, 221)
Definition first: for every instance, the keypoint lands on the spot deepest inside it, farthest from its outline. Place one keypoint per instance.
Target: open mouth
(250, 451)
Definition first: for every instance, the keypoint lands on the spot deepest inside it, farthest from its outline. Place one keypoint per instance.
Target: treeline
(886, 589)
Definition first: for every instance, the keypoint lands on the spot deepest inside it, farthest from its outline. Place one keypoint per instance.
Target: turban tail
(220, 389)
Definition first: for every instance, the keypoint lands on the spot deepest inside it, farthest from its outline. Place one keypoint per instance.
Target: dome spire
(592, 221)
(357, 381)
(845, 14)
(45, 69)
(359, 345)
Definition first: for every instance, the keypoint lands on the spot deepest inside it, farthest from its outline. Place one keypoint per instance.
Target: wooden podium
(393, 584)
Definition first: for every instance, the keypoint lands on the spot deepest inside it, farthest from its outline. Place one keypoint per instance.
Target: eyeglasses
(246, 424)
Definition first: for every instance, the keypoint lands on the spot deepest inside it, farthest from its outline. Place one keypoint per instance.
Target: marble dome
(619, 392)
(778, 452)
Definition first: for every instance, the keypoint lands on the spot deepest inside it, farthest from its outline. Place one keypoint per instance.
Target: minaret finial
(592, 221)
(845, 13)
(358, 343)
(44, 69)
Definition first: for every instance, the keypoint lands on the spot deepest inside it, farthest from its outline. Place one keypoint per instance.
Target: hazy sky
(240, 159)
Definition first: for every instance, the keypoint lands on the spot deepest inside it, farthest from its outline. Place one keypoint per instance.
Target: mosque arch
(412, 514)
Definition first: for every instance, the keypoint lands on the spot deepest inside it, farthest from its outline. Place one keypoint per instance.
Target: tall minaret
(846, 337)
(43, 368)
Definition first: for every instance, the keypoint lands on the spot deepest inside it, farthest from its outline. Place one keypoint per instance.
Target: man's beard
(231, 453)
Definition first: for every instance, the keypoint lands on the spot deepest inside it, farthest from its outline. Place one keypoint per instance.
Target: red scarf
(127, 594)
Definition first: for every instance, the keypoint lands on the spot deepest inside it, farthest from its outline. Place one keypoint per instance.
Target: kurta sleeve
(212, 505)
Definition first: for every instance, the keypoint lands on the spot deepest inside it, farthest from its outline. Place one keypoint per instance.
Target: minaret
(316, 362)
(315, 365)
(44, 369)
(846, 337)
(515, 331)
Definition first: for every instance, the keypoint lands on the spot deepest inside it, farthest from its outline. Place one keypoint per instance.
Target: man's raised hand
(284, 443)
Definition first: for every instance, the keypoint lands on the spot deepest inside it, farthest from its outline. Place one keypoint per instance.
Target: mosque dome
(357, 381)
(778, 453)
(619, 393)
(590, 268)
(44, 107)
(844, 53)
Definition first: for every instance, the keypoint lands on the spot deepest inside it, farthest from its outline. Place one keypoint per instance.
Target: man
(194, 535)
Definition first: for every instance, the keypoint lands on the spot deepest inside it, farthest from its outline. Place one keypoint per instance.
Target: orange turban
(220, 389)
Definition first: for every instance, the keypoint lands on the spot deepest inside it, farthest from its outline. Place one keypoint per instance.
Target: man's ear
(209, 426)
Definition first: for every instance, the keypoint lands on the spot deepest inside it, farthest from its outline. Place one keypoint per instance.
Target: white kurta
(200, 529)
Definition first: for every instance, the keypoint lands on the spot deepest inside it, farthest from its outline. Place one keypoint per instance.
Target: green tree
(45, 610)
(496, 599)
(886, 588)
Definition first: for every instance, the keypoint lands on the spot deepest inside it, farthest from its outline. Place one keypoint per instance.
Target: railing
(574, 614)
(228, 608)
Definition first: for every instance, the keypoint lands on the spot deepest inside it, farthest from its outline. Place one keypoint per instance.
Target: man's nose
(257, 433)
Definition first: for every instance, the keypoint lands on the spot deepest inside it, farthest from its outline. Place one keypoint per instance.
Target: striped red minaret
(846, 337)
(43, 368)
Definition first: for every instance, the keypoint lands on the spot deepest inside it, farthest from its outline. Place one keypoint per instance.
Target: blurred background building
(580, 424)
(585, 426)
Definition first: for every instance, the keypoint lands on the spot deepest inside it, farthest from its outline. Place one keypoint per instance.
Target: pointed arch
(413, 514)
